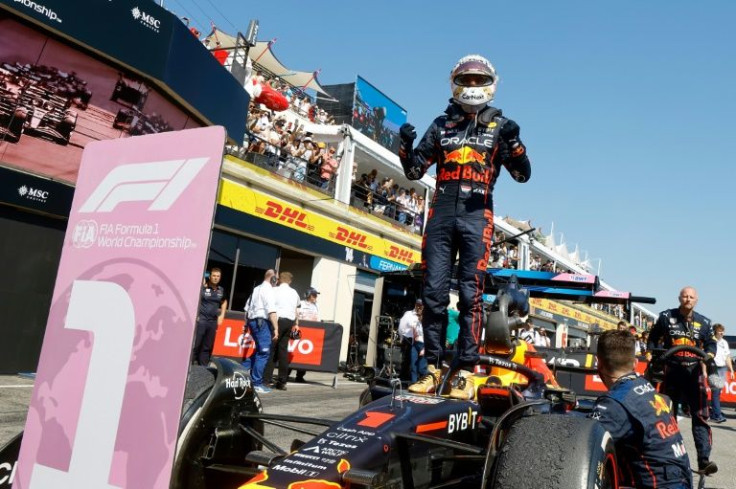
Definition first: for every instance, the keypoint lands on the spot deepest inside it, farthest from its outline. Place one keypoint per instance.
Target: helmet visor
(473, 74)
(473, 80)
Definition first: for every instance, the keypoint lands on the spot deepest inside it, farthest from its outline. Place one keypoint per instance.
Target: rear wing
(562, 286)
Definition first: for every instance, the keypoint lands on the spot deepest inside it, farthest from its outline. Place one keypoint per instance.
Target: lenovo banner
(110, 382)
(318, 349)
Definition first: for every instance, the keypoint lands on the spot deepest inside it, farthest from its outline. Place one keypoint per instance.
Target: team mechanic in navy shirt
(683, 377)
(212, 306)
(649, 448)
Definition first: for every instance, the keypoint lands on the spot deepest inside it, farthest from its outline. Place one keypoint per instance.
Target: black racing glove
(408, 134)
(510, 135)
(510, 131)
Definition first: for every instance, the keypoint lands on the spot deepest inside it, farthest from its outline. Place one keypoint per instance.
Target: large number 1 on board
(90, 307)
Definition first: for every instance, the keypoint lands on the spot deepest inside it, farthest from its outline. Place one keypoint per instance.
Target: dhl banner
(318, 349)
(248, 200)
(581, 318)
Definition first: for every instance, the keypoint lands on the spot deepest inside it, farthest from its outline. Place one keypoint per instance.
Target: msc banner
(107, 398)
(317, 350)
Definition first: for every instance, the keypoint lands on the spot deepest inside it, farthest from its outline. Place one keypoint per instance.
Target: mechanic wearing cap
(469, 143)
(649, 447)
(308, 311)
(683, 378)
(413, 362)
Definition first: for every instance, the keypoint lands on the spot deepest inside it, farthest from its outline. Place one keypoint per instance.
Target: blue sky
(626, 109)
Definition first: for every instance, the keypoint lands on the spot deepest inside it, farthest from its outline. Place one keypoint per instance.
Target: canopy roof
(262, 55)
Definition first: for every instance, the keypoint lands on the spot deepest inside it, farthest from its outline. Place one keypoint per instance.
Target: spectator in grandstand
(621, 326)
(402, 205)
(373, 180)
(419, 218)
(724, 364)
(536, 263)
(647, 456)
(329, 168)
(512, 259)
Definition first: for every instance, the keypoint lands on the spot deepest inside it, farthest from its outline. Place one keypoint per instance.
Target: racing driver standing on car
(683, 379)
(469, 143)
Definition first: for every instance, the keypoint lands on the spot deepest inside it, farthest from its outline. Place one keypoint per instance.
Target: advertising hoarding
(376, 115)
(107, 397)
(55, 99)
(154, 43)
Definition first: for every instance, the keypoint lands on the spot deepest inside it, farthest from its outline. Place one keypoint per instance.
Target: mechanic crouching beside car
(649, 447)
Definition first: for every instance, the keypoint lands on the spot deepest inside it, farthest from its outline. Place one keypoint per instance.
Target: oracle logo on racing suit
(486, 141)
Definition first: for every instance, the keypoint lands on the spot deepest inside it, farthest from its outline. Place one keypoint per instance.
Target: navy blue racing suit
(683, 378)
(650, 451)
(469, 151)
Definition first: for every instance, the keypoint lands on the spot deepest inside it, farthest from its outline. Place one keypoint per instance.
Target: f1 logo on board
(158, 182)
(352, 238)
(286, 214)
(403, 255)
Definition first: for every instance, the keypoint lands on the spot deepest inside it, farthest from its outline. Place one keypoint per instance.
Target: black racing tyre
(210, 433)
(556, 452)
(199, 384)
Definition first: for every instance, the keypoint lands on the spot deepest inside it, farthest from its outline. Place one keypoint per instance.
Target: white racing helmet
(473, 81)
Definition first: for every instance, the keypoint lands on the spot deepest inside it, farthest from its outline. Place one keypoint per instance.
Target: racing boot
(463, 386)
(428, 383)
(706, 467)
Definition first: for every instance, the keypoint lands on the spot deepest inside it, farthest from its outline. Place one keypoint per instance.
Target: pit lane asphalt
(318, 399)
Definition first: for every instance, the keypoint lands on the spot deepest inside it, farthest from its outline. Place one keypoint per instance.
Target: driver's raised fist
(408, 133)
(510, 130)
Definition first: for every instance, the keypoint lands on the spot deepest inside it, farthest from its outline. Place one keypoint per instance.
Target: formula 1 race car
(522, 430)
(49, 116)
(12, 117)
